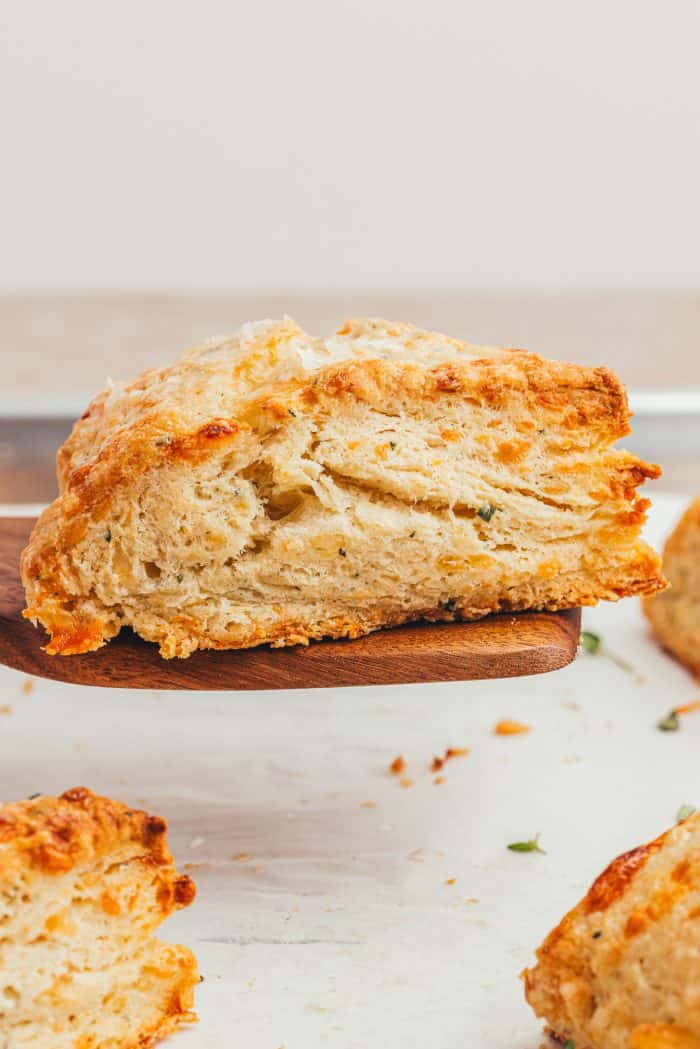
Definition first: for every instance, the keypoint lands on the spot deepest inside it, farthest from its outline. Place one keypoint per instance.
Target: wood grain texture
(494, 647)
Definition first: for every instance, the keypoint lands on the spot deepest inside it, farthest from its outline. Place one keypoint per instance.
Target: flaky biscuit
(622, 969)
(84, 884)
(277, 488)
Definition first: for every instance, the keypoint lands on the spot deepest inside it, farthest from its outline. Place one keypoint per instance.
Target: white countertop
(339, 930)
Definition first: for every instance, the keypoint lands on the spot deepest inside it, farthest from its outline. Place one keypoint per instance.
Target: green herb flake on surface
(671, 723)
(594, 646)
(533, 845)
(590, 642)
(569, 1044)
(179, 577)
(685, 812)
(486, 511)
(108, 535)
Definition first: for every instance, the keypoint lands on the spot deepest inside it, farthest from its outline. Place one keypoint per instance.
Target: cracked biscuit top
(277, 488)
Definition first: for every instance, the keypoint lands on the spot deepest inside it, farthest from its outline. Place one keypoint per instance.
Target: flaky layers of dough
(675, 614)
(622, 970)
(278, 488)
(84, 884)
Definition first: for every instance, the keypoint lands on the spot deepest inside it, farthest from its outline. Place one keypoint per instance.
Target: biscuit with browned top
(84, 883)
(277, 488)
(622, 969)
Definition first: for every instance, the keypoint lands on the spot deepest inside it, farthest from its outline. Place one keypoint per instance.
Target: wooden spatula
(498, 646)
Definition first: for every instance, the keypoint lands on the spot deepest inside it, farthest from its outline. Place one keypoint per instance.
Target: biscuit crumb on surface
(451, 752)
(508, 727)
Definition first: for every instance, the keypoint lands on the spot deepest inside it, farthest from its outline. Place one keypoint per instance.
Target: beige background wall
(60, 349)
(361, 144)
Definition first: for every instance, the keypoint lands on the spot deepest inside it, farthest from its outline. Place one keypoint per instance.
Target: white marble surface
(340, 931)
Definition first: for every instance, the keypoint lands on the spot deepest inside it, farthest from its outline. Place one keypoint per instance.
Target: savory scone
(622, 970)
(84, 883)
(273, 487)
(675, 614)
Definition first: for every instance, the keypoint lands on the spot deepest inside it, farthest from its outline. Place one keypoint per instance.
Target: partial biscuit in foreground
(622, 970)
(675, 614)
(277, 488)
(84, 884)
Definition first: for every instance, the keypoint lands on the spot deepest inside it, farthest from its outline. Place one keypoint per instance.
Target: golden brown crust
(608, 887)
(663, 1036)
(611, 884)
(621, 968)
(148, 431)
(563, 393)
(177, 1010)
(53, 835)
(94, 878)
